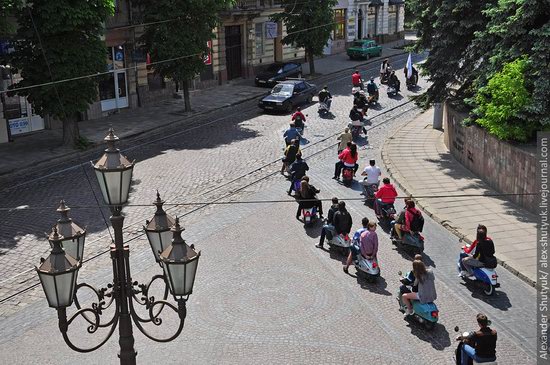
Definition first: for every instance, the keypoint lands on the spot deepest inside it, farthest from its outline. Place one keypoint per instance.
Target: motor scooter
(357, 127)
(393, 90)
(367, 267)
(387, 212)
(426, 314)
(347, 176)
(309, 215)
(411, 240)
(484, 275)
(323, 110)
(340, 242)
(369, 190)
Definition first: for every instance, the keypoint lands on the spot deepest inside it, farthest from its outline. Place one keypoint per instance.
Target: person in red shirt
(356, 79)
(384, 196)
(410, 212)
(348, 157)
(299, 118)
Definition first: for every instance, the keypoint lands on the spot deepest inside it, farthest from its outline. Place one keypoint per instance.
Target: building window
(392, 19)
(259, 39)
(340, 24)
(371, 17)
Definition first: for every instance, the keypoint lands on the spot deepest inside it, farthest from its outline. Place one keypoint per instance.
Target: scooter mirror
(400, 273)
(457, 329)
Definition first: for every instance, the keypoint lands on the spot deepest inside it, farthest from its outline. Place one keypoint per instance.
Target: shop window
(392, 19)
(259, 30)
(372, 20)
(340, 24)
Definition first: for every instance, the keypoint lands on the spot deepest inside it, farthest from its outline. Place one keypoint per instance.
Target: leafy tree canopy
(58, 40)
(308, 25)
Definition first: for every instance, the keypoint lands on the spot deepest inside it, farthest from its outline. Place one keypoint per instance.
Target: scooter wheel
(489, 289)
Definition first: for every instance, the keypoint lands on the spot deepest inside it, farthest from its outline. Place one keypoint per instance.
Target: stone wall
(506, 168)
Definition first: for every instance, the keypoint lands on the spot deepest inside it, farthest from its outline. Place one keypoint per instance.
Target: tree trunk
(311, 60)
(186, 99)
(71, 132)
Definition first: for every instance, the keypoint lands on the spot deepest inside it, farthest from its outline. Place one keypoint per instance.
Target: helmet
(362, 92)
(372, 79)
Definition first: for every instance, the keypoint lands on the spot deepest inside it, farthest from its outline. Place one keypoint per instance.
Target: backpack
(417, 223)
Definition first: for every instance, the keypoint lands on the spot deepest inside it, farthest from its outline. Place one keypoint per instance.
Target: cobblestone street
(263, 294)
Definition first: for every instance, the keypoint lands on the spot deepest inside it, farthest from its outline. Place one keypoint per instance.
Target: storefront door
(113, 91)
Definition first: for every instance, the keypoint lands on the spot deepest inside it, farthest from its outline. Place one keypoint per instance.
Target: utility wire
(269, 201)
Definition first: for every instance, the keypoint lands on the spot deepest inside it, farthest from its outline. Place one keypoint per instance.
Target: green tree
(447, 28)
(516, 28)
(58, 40)
(501, 102)
(308, 24)
(177, 48)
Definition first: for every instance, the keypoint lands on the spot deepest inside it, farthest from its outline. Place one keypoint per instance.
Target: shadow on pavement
(438, 337)
(498, 300)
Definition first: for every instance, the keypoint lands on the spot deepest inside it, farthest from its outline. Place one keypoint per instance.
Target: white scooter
(368, 267)
(324, 109)
(340, 242)
(484, 275)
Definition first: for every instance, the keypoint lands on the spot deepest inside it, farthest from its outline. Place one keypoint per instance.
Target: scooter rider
(394, 82)
(297, 171)
(479, 345)
(408, 280)
(328, 229)
(425, 280)
(307, 198)
(291, 133)
(384, 68)
(414, 75)
(373, 173)
(410, 213)
(325, 97)
(368, 244)
(355, 244)
(345, 140)
(356, 80)
(372, 90)
(384, 196)
(348, 158)
(342, 219)
(480, 255)
(399, 220)
(361, 102)
(299, 118)
(290, 154)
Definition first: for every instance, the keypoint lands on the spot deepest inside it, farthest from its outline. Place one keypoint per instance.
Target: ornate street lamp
(59, 271)
(179, 262)
(73, 234)
(158, 230)
(114, 173)
(58, 274)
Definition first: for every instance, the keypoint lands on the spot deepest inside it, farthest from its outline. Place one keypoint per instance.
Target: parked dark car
(288, 94)
(278, 72)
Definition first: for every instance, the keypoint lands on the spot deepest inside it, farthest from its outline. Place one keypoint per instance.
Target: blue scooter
(426, 314)
(484, 275)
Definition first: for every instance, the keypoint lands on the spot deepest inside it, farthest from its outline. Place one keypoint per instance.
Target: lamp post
(58, 273)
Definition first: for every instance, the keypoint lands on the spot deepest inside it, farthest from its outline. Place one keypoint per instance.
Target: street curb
(397, 178)
(98, 146)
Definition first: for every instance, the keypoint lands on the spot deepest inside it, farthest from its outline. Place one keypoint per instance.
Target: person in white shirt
(373, 173)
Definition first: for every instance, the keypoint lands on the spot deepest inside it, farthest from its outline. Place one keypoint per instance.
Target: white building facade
(381, 20)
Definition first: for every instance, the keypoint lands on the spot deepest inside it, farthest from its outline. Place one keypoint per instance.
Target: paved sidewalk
(419, 161)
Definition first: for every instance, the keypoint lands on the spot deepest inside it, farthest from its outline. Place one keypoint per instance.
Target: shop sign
(19, 125)
(271, 30)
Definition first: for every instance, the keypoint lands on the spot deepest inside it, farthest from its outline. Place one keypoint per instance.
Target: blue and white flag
(409, 66)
